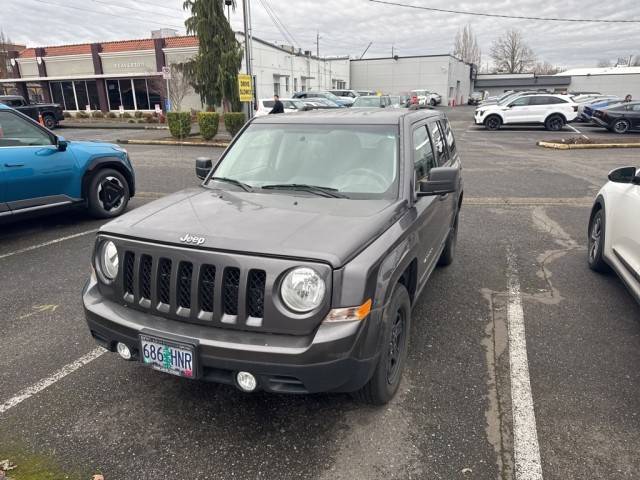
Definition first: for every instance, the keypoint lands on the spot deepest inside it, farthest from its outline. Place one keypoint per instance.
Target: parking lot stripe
(46, 244)
(47, 382)
(526, 450)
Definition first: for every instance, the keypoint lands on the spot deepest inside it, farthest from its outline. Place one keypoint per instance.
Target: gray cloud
(347, 27)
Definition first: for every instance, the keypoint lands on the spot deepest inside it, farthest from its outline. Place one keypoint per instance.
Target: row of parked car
(555, 110)
(310, 100)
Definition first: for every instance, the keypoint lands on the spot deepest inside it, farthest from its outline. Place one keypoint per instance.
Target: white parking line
(47, 382)
(45, 244)
(577, 131)
(526, 450)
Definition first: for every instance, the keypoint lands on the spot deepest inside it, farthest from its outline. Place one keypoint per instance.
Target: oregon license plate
(168, 356)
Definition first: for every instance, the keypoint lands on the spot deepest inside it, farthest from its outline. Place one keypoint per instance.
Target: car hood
(331, 230)
(92, 146)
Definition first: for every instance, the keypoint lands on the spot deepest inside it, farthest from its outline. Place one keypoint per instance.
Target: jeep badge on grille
(192, 239)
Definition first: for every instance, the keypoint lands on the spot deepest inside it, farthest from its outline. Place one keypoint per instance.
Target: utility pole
(247, 48)
(365, 50)
(392, 50)
(318, 56)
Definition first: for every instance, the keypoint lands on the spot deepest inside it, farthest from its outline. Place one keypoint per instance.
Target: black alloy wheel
(621, 126)
(493, 122)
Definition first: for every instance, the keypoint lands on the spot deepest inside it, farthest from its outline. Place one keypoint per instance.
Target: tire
(492, 122)
(49, 121)
(621, 126)
(554, 123)
(596, 242)
(386, 377)
(108, 194)
(433, 102)
(449, 252)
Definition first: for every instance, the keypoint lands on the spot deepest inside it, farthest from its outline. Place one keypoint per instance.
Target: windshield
(331, 96)
(507, 98)
(359, 161)
(367, 102)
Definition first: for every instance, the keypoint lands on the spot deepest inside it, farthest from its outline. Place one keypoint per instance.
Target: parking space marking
(526, 450)
(46, 244)
(48, 381)
(577, 131)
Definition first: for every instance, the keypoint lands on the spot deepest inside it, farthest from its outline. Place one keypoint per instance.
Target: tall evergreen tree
(213, 71)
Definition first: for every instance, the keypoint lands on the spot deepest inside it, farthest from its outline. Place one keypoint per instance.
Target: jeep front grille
(194, 292)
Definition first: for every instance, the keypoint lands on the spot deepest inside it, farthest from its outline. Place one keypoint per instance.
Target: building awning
(80, 77)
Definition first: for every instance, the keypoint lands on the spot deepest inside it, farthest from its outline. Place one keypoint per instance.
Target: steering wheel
(382, 182)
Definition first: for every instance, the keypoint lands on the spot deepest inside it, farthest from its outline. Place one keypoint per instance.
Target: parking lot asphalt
(523, 223)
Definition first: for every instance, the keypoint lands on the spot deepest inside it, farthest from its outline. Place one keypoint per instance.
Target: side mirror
(62, 144)
(203, 167)
(442, 180)
(624, 175)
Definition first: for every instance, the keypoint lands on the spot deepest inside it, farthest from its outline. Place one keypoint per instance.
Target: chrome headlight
(108, 260)
(302, 290)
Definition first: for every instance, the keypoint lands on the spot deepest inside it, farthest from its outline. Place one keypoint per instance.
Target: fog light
(246, 381)
(123, 351)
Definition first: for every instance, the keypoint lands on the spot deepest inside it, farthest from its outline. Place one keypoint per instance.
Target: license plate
(168, 356)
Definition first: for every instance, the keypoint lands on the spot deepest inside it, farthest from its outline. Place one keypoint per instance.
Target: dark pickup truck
(51, 113)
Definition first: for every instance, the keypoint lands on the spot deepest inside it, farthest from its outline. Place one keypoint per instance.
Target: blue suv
(40, 171)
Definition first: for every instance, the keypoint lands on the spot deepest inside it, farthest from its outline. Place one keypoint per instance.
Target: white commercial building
(442, 74)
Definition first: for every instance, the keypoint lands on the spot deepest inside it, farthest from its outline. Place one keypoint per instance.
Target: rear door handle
(13, 165)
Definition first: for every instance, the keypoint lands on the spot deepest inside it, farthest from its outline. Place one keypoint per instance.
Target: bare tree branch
(511, 55)
(466, 46)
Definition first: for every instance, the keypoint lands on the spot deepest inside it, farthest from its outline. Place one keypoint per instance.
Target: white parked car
(614, 228)
(425, 97)
(290, 105)
(552, 111)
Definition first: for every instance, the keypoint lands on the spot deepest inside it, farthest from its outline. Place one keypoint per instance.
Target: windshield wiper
(324, 191)
(233, 181)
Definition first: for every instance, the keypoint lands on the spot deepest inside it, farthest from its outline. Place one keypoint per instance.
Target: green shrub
(142, 120)
(97, 114)
(179, 124)
(208, 123)
(82, 114)
(66, 114)
(151, 119)
(138, 114)
(233, 122)
(126, 115)
(112, 115)
(131, 120)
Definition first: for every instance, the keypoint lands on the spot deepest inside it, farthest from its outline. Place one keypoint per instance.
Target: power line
(73, 7)
(266, 2)
(134, 9)
(495, 15)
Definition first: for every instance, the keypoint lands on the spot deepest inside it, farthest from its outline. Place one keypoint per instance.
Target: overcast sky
(347, 27)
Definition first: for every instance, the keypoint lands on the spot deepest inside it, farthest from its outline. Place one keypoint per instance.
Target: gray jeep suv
(294, 266)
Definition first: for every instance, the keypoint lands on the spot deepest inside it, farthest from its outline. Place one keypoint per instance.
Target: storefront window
(126, 93)
(56, 93)
(113, 92)
(92, 91)
(154, 87)
(81, 94)
(69, 97)
(142, 99)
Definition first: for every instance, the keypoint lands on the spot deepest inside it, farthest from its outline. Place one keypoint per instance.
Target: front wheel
(433, 102)
(596, 242)
(385, 381)
(493, 122)
(49, 121)
(554, 123)
(621, 126)
(108, 194)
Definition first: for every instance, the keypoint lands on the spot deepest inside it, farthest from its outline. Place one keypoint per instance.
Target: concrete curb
(174, 142)
(103, 126)
(586, 146)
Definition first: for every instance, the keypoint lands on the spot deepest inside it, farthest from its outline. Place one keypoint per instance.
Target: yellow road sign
(245, 88)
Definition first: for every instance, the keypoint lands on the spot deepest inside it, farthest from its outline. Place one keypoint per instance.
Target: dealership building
(109, 75)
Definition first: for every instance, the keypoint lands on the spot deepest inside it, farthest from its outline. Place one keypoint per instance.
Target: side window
(439, 143)
(448, 135)
(18, 132)
(636, 108)
(423, 157)
(520, 102)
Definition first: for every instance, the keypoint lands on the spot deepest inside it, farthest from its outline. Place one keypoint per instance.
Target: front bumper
(478, 118)
(599, 122)
(337, 357)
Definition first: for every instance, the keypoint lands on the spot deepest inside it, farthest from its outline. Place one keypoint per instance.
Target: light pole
(246, 8)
